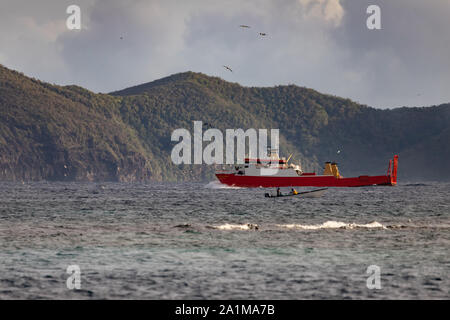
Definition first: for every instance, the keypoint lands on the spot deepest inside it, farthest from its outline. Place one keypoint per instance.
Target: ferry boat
(256, 173)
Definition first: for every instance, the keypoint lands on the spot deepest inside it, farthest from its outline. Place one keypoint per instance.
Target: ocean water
(206, 241)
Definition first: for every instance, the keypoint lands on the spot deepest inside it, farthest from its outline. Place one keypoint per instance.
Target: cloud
(29, 33)
(160, 38)
(328, 10)
(405, 63)
(322, 44)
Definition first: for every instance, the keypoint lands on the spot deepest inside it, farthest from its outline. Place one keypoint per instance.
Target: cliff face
(49, 132)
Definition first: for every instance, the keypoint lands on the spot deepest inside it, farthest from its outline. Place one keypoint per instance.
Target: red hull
(309, 180)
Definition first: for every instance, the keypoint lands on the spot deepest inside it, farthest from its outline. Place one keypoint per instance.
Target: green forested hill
(68, 133)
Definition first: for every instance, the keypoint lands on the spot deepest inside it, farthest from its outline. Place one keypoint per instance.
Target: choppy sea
(206, 241)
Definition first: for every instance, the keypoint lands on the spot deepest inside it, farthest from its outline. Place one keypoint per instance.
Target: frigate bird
(228, 68)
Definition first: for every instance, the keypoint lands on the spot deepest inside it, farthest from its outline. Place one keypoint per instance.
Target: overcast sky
(321, 44)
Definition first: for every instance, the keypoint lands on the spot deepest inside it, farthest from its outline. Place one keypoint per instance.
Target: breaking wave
(245, 226)
(333, 225)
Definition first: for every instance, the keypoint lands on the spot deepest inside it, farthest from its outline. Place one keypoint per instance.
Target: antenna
(289, 158)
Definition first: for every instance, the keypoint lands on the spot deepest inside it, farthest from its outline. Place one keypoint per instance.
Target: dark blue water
(201, 241)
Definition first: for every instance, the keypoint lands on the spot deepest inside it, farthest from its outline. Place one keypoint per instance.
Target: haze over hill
(51, 132)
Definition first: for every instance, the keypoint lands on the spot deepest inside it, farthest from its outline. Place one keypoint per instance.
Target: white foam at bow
(217, 185)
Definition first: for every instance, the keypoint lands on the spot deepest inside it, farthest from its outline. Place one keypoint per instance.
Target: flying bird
(263, 34)
(228, 68)
(244, 26)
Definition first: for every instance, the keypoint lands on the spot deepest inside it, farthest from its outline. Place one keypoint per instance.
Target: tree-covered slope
(64, 133)
(313, 125)
(69, 133)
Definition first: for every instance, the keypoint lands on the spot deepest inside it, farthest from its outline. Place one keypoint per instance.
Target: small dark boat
(305, 194)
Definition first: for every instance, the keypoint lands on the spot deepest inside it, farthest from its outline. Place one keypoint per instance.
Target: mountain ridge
(68, 133)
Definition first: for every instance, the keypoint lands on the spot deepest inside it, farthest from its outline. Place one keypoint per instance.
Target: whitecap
(332, 225)
(245, 226)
